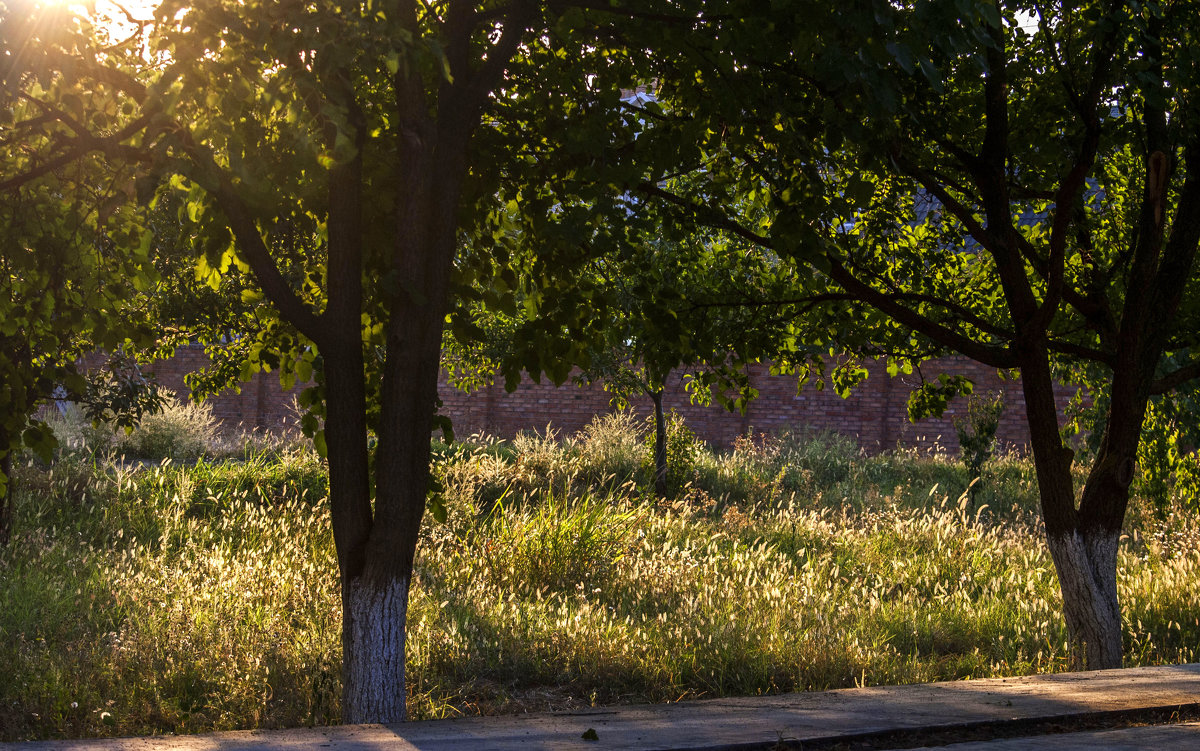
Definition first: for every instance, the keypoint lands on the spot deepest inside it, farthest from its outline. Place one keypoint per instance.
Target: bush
(611, 449)
(182, 431)
(543, 462)
(770, 469)
(478, 477)
(828, 458)
(683, 450)
(977, 435)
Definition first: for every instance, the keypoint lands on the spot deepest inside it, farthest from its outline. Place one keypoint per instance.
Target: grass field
(147, 596)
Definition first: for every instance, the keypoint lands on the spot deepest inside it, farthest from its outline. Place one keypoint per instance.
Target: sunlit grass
(143, 598)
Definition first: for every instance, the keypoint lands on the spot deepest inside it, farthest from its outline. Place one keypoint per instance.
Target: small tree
(976, 432)
(659, 308)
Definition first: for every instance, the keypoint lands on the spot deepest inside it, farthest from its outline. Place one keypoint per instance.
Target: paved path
(1182, 737)
(817, 718)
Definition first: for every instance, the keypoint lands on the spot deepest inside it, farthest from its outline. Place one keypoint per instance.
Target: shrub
(977, 435)
(481, 479)
(827, 457)
(771, 469)
(611, 449)
(543, 462)
(683, 450)
(181, 431)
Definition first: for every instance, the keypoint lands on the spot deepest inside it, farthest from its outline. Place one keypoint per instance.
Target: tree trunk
(364, 598)
(1086, 562)
(660, 445)
(1082, 541)
(378, 555)
(377, 599)
(377, 613)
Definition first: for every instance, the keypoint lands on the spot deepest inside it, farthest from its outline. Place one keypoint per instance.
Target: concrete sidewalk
(903, 716)
(1181, 737)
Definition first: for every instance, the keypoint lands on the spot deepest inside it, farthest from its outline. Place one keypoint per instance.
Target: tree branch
(476, 90)
(83, 144)
(254, 250)
(960, 211)
(705, 214)
(999, 357)
(1176, 378)
(1072, 185)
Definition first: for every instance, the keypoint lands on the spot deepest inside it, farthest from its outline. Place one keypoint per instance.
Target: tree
(1016, 182)
(662, 301)
(66, 289)
(334, 152)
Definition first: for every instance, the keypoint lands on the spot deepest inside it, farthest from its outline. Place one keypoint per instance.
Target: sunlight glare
(117, 19)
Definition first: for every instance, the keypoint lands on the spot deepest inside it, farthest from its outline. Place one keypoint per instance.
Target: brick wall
(874, 414)
(260, 403)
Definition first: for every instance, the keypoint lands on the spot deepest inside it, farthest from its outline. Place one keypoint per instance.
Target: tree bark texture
(1086, 563)
(349, 493)
(375, 583)
(377, 611)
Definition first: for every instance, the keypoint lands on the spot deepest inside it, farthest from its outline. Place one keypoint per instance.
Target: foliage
(663, 308)
(118, 393)
(611, 454)
(183, 431)
(1167, 461)
(179, 432)
(1016, 184)
(64, 291)
(73, 259)
(1168, 467)
(931, 398)
(767, 469)
(682, 450)
(976, 431)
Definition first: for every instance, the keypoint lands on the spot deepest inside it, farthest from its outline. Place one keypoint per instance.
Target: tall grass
(158, 597)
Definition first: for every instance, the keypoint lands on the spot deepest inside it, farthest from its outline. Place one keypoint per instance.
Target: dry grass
(180, 599)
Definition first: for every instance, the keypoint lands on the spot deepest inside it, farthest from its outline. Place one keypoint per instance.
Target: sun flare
(118, 20)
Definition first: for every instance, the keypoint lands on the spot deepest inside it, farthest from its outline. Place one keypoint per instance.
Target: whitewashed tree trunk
(374, 669)
(1087, 575)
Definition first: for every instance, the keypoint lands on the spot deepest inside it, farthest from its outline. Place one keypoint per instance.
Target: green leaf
(931, 399)
(40, 439)
(902, 55)
(435, 499)
(303, 369)
(932, 75)
(991, 14)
